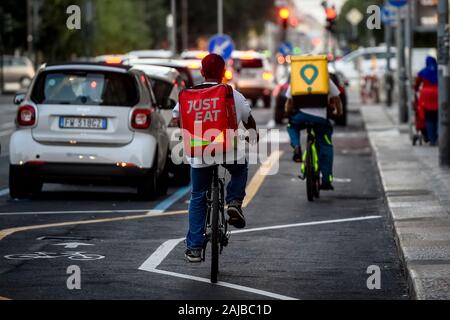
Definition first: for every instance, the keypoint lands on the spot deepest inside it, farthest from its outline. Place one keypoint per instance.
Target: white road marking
(225, 284)
(4, 192)
(159, 208)
(160, 254)
(152, 262)
(313, 223)
(342, 180)
(72, 245)
(7, 126)
(5, 133)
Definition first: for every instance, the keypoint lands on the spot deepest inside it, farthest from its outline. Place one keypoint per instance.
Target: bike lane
(308, 256)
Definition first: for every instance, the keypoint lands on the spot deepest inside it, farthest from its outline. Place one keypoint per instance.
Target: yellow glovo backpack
(310, 84)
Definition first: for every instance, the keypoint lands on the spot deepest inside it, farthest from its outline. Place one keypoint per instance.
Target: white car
(17, 73)
(87, 123)
(252, 76)
(193, 54)
(167, 83)
(188, 69)
(150, 54)
(373, 60)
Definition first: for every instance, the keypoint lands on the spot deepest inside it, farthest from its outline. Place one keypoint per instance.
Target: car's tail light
(267, 75)
(26, 116)
(141, 118)
(113, 60)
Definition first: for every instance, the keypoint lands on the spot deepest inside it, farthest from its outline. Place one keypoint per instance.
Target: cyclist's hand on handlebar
(253, 137)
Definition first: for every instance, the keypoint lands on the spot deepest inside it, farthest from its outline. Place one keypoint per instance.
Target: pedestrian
(427, 88)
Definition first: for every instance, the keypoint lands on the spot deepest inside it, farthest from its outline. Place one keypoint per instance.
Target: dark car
(279, 100)
(341, 83)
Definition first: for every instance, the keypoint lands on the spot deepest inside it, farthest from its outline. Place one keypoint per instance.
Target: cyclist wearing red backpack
(213, 70)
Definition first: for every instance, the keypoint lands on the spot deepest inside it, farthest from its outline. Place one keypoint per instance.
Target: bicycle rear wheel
(215, 234)
(310, 179)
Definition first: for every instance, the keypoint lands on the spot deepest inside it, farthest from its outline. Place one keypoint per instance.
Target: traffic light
(284, 14)
(331, 15)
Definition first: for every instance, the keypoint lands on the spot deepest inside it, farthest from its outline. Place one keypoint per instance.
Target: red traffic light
(331, 13)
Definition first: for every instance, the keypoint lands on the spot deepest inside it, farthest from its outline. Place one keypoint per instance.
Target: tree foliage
(119, 26)
(363, 33)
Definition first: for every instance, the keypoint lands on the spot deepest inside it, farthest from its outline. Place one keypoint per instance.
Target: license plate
(82, 123)
(249, 74)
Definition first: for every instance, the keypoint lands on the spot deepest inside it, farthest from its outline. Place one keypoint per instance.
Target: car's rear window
(162, 91)
(249, 63)
(86, 88)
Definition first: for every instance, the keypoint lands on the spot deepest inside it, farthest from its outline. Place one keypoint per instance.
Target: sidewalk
(418, 194)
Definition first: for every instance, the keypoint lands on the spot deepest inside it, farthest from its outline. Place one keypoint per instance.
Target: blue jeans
(324, 132)
(431, 123)
(201, 179)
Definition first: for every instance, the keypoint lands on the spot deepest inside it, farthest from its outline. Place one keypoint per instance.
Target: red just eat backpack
(208, 120)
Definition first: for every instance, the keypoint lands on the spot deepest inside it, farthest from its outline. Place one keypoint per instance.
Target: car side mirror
(19, 98)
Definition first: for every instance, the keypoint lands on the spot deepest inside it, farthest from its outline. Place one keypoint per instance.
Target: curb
(420, 220)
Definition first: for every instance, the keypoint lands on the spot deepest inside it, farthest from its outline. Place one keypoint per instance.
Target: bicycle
(310, 165)
(216, 226)
(78, 256)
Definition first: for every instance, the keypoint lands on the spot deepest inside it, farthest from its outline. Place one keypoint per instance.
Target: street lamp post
(220, 16)
(2, 22)
(173, 30)
(443, 60)
(402, 77)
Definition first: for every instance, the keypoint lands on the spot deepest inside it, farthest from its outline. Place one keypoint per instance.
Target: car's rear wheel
(182, 174)
(267, 101)
(22, 186)
(279, 111)
(163, 179)
(148, 186)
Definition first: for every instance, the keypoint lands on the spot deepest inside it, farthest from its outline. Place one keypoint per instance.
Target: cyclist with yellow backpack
(311, 97)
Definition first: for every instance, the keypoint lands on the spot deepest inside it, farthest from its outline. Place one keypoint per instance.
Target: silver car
(17, 73)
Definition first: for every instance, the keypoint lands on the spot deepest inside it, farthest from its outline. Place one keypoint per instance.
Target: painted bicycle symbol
(72, 255)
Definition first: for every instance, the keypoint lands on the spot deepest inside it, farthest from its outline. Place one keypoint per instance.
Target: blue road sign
(286, 48)
(388, 15)
(398, 3)
(221, 44)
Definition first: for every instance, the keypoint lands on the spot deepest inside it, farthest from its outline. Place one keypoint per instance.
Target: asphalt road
(291, 248)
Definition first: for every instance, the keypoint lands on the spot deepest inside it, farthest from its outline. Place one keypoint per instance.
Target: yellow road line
(251, 191)
(260, 176)
(7, 232)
